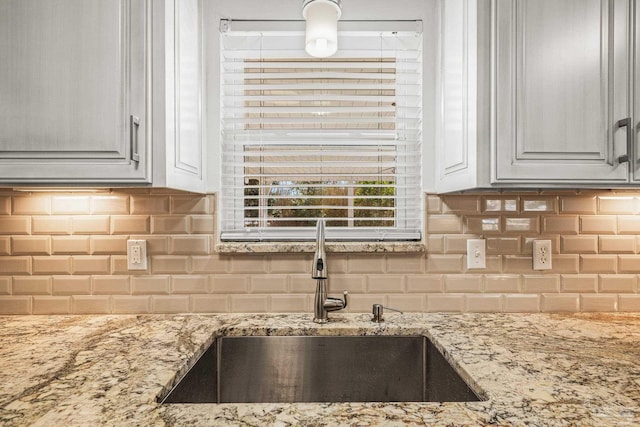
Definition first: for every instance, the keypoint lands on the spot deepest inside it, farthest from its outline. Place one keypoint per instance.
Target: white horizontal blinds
(306, 138)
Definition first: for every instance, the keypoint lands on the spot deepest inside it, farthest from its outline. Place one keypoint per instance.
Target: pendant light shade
(322, 16)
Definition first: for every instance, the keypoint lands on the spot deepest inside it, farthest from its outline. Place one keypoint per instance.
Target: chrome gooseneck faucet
(323, 304)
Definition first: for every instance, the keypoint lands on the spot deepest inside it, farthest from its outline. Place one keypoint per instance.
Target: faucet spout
(323, 304)
(319, 267)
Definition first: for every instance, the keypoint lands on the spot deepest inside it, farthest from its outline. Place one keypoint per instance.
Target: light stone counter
(534, 369)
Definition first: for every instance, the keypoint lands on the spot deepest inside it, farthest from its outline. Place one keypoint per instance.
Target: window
(306, 138)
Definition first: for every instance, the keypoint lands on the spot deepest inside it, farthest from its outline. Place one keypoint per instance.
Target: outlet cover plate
(476, 254)
(137, 254)
(542, 254)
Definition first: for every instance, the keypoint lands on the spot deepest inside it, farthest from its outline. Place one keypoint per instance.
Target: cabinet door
(72, 91)
(561, 84)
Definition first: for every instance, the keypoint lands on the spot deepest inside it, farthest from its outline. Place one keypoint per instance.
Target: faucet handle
(378, 311)
(334, 304)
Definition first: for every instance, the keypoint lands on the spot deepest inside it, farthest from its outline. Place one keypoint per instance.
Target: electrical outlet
(137, 254)
(542, 254)
(476, 253)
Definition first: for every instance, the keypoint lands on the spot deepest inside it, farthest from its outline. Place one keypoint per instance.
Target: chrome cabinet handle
(626, 122)
(134, 122)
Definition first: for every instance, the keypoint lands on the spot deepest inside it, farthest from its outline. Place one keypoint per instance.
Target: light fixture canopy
(321, 37)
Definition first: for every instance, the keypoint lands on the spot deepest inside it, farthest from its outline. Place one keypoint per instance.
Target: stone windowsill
(309, 247)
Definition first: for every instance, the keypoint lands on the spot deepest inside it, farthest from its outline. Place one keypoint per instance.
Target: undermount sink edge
(432, 351)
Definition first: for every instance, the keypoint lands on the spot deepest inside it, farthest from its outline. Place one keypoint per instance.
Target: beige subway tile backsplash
(290, 303)
(191, 204)
(90, 304)
(560, 302)
(5, 245)
(51, 305)
(455, 283)
(66, 253)
(579, 283)
(365, 264)
(457, 204)
(249, 303)
(150, 285)
(593, 302)
(112, 204)
(31, 245)
(15, 225)
(406, 264)
(407, 303)
(110, 285)
(618, 283)
(502, 283)
(170, 304)
(616, 205)
(443, 224)
(445, 302)
(71, 285)
(484, 303)
(122, 304)
(70, 245)
(229, 284)
(385, 283)
(626, 303)
(268, 283)
(209, 303)
(5, 285)
(54, 264)
(291, 264)
(130, 224)
(170, 264)
(28, 205)
(170, 224)
(5, 205)
(143, 204)
(598, 263)
(425, 283)
(578, 204)
(617, 244)
(32, 285)
(579, 244)
(96, 224)
(111, 245)
(70, 205)
(518, 303)
(96, 264)
(189, 284)
(629, 224)
(600, 224)
(16, 304)
(190, 245)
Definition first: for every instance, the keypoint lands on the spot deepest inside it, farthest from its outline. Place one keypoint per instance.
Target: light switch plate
(137, 254)
(542, 254)
(476, 254)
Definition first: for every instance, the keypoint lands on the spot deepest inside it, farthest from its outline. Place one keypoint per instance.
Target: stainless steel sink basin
(321, 369)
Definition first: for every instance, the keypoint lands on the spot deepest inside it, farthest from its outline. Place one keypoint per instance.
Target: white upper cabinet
(561, 84)
(541, 96)
(81, 101)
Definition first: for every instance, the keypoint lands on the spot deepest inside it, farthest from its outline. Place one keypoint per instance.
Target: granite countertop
(535, 369)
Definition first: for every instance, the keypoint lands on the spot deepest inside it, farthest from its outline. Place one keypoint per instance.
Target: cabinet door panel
(68, 84)
(561, 84)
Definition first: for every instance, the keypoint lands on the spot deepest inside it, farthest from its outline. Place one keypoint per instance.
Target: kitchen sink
(289, 369)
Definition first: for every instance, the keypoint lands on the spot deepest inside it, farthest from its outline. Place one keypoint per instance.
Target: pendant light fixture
(321, 38)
